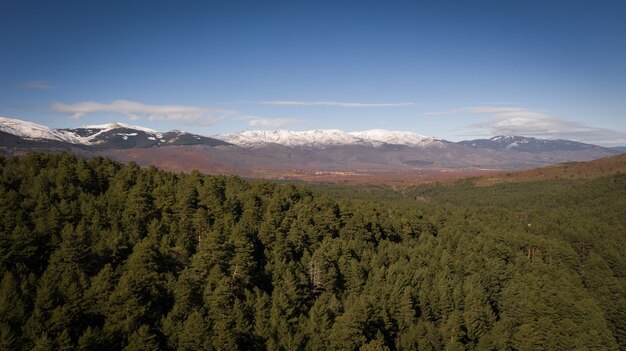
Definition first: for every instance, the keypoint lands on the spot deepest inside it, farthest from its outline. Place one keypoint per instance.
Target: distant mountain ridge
(526, 144)
(119, 135)
(326, 137)
(283, 153)
(619, 148)
(396, 137)
(34, 131)
(111, 135)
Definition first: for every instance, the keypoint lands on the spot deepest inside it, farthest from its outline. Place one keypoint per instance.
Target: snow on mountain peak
(393, 137)
(325, 137)
(117, 125)
(315, 138)
(85, 135)
(33, 131)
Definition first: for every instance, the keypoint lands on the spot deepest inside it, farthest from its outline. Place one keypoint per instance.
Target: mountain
(311, 138)
(619, 148)
(324, 138)
(117, 135)
(396, 137)
(106, 136)
(34, 131)
(310, 155)
(526, 144)
(321, 138)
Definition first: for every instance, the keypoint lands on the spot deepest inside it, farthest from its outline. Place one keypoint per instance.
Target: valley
(312, 175)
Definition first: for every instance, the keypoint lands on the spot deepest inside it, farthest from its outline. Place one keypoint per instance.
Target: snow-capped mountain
(101, 134)
(34, 131)
(526, 144)
(118, 135)
(394, 137)
(310, 138)
(315, 150)
(111, 135)
(325, 137)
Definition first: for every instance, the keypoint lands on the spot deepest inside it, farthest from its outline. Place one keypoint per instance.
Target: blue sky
(450, 69)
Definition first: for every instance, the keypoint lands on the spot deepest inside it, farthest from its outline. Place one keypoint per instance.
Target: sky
(451, 69)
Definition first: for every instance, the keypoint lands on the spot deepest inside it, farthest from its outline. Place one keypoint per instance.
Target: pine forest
(99, 255)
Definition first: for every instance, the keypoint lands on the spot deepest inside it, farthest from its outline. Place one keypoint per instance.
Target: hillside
(97, 255)
(570, 170)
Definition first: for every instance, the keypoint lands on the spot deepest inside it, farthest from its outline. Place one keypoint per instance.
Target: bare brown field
(391, 179)
(187, 159)
(247, 164)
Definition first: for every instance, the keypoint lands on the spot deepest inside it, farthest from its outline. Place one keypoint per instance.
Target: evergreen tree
(96, 255)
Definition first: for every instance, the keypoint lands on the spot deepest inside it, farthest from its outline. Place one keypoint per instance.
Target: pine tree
(143, 340)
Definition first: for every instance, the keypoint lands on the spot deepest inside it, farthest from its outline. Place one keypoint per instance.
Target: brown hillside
(569, 170)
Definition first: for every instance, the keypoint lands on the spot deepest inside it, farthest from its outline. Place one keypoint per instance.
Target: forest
(99, 255)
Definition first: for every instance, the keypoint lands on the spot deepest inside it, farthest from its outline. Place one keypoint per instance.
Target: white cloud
(36, 85)
(520, 121)
(445, 113)
(335, 103)
(272, 122)
(500, 103)
(187, 114)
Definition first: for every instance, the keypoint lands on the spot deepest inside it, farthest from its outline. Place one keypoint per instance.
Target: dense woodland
(96, 255)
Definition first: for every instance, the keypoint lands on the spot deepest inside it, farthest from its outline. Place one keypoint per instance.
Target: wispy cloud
(521, 121)
(272, 122)
(187, 114)
(335, 103)
(500, 103)
(445, 113)
(36, 85)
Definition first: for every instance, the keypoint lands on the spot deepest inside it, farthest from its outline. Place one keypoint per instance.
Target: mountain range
(320, 138)
(283, 153)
